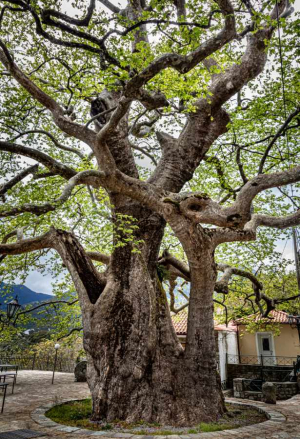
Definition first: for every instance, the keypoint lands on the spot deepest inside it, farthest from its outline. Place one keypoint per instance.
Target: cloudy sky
(42, 283)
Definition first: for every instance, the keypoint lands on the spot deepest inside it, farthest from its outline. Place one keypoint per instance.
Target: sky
(42, 283)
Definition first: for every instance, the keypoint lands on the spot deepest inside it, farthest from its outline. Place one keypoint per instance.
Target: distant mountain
(25, 295)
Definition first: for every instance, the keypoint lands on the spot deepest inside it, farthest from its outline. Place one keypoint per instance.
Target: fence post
(33, 361)
(262, 367)
(54, 366)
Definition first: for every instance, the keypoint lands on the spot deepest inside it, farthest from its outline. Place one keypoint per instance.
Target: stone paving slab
(34, 395)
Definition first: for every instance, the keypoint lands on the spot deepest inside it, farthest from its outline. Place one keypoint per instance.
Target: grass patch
(73, 411)
(75, 414)
(208, 428)
(78, 413)
(157, 433)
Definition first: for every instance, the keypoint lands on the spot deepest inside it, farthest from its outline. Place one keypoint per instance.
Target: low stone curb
(38, 415)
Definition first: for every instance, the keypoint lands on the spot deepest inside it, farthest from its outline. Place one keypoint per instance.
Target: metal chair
(4, 387)
(12, 375)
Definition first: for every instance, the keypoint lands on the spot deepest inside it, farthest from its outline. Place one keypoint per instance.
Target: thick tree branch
(184, 64)
(102, 151)
(28, 245)
(248, 233)
(44, 175)
(229, 272)
(282, 222)
(99, 257)
(252, 63)
(180, 7)
(233, 234)
(88, 281)
(110, 6)
(117, 115)
(35, 91)
(200, 131)
(167, 259)
(15, 180)
(80, 178)
(53, 165)
(242, 205)
(16, 232)
(211, 120)
(201, 209)
(78, 22)
(117, 182)
(198, 207)
(64, 123)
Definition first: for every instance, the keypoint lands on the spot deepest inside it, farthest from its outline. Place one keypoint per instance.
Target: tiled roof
(180, 321)
(275, 316)
(180, 324)
(231, 327)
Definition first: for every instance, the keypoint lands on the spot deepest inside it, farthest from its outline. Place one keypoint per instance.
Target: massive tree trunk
(137, 368)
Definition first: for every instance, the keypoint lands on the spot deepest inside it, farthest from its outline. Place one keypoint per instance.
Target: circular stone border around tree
(38, 415)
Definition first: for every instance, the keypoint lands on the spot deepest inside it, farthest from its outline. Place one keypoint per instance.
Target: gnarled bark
(137, 368)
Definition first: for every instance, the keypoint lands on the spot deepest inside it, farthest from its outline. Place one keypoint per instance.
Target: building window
(265, 344)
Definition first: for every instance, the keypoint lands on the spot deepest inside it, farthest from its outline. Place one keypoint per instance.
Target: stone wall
(255, 371)
(284, 390)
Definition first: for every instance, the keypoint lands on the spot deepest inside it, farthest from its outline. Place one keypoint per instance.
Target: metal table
(5, 367)
(4, 387)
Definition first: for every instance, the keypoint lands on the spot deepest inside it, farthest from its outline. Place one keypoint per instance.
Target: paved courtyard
(34, 390)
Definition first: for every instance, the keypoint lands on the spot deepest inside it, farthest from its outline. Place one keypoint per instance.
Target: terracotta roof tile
(180, 324)
(276, 316)
(180, 321)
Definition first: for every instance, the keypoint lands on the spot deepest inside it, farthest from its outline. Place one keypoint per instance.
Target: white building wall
(227, 342)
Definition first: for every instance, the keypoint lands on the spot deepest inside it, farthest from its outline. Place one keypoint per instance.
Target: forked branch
(88, 281)
(177, 268)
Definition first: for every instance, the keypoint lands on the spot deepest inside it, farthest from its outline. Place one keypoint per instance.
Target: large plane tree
(146, 117)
